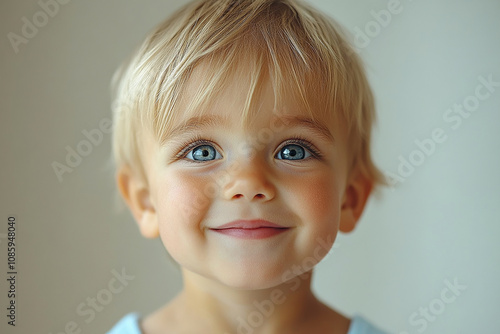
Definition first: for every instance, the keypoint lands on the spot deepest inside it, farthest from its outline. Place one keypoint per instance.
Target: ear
(136, 195)
(353, 203)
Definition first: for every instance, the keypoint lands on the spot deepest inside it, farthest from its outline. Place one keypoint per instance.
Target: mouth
(250, 229)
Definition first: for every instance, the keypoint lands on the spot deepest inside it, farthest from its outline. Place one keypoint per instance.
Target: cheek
(316, 201)
(182, 196)
(318, 198)
(182, 202)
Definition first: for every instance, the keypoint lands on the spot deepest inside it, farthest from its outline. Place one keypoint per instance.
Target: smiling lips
(250, 229)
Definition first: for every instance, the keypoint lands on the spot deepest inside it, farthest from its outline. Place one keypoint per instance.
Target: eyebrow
(318, 128)
(200, 122)
(195, 123)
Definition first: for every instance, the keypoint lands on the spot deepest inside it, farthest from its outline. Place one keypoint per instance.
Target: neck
(270, 310)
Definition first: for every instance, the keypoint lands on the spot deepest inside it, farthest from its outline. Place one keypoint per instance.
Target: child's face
(248, 173)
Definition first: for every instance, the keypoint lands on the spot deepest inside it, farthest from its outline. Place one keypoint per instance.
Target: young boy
(242, 140)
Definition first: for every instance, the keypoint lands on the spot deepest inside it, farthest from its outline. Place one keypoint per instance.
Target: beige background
(442, 223)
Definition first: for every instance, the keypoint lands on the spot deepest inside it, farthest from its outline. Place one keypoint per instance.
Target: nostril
(256, 196)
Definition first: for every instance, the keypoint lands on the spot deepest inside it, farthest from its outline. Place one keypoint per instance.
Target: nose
(249, 181)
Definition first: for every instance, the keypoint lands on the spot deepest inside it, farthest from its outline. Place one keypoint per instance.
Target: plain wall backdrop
(439, 225)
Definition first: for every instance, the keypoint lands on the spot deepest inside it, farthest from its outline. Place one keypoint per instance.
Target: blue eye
(293, 152)
(202, 150)
(203, 153)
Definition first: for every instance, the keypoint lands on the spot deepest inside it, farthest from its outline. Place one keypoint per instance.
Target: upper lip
(248, 224)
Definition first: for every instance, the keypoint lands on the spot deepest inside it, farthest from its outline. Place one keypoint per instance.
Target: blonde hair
(286, 40)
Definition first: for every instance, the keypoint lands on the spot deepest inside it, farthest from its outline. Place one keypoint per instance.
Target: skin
(223, 276)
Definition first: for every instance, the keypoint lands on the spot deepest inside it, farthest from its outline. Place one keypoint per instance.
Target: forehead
(246, 100)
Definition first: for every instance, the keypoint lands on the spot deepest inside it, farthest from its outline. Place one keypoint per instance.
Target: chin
(252, 277)
(251, 285)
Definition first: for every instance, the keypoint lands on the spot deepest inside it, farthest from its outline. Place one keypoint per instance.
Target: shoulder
(360, 325)
(129, 324)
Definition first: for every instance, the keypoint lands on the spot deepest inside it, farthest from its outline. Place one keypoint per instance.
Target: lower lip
(252, 233)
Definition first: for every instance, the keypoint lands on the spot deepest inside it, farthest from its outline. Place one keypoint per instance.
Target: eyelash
(200, 141)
